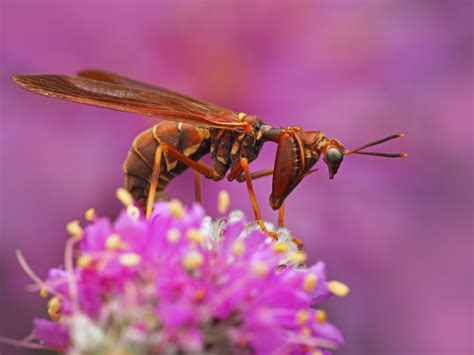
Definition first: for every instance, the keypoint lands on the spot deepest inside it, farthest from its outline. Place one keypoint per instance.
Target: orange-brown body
(194, 128)
(226, 147)
(192, 141)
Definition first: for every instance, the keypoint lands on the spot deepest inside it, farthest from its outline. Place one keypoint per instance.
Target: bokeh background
(399, 232)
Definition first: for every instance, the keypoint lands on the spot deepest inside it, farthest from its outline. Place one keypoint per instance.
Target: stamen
(298, 257)
(310, 282)
(54, 304)
(74, 229)
(173, 235)
(176, 208)
(302, 316)
(194, 235)
(338, 288)
(114, 242)
(90, 215)
(133, 212)
(70, 274)
(31, 274)
(124, 196)
(280, 247)
(193, 260)
(130, 259)
(223, 202)
(54, 307)
(242, 115)
(260, 268)
(199, 294)
(43, 292)
(238, 247)
(321, 316)
(84, 261)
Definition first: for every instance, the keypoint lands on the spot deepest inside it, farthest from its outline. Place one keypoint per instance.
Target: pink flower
(181, 282)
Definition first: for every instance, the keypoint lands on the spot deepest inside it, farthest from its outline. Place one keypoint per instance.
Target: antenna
(378, 154)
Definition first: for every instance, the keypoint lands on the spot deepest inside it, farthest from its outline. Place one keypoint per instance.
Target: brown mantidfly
(194, 128)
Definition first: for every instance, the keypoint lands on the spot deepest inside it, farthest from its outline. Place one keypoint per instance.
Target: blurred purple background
(399, 232)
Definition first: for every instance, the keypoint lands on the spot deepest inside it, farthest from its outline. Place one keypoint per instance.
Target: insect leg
(281, 216)
(237, 171)
(198, 183)
(256, 175)
(281, 224)
(197, 187)
(244, 165)
(154, 180)
(200, 166)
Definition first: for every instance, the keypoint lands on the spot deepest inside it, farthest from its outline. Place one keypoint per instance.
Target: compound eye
(334, 156)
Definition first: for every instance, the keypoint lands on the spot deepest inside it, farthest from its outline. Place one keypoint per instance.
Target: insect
(194, 128)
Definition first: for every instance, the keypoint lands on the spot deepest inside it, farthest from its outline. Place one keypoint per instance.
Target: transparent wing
(122, 94)
(113, 78)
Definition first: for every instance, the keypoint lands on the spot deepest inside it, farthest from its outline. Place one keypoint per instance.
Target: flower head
(181, 282)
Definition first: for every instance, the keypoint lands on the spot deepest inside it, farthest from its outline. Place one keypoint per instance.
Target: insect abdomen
(192, 141)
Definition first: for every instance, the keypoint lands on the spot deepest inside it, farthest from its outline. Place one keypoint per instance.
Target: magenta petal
(51, 333)
(284, 297)
(57, 278)
(176, 315)
(96, 234)
(231, 232)
(329, 332)
(169, 283)
(265, 340)
(134, 233)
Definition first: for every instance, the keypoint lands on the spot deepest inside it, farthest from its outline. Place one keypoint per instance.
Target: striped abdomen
(192, 141)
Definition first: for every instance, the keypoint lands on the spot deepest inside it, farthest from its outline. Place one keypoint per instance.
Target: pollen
(298, 257)
(90, 215)
(302, 316)
(260, 268)
(309, 283)
(199, 294)
(238, 247)
(306, 331)
(194, 235)
(130, 259)
(193, 260)
(242, 115)
(280, 247)
(176, 208)
(54, 315)
(43, 292)
(173, 235)
(124, 196)
(83, 261)
(223, 201)
(338, 288)
(133, 212)
(74, 229)
(54, 306)
(114, 242)
(321, 316)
